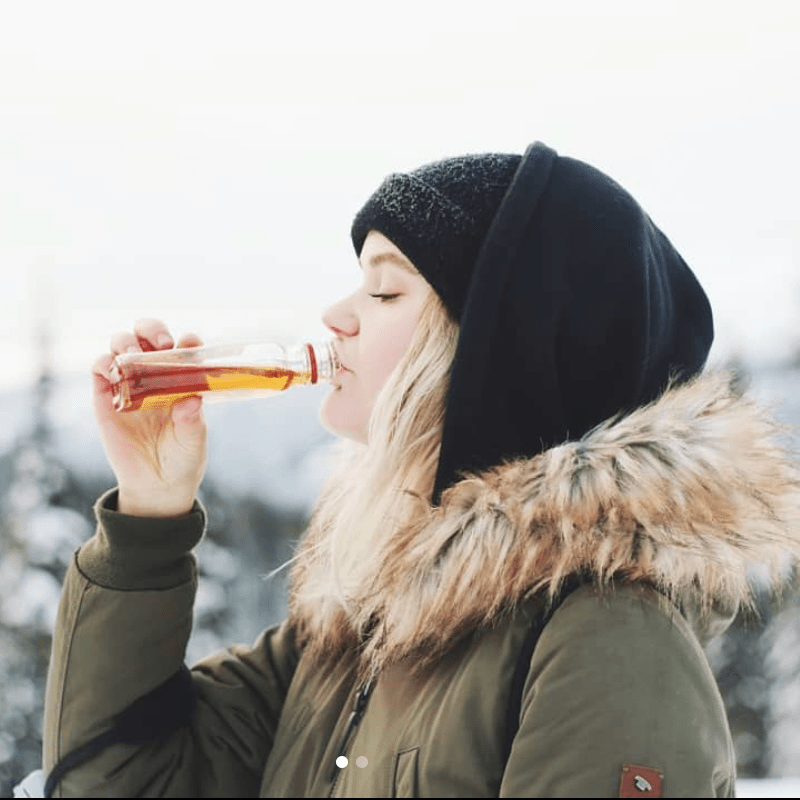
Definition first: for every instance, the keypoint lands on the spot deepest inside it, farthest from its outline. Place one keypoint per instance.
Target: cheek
(388, 352)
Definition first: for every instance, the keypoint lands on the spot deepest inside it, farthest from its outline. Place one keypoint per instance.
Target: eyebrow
(392, 258)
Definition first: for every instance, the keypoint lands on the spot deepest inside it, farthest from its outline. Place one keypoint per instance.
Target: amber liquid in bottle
(150, 382)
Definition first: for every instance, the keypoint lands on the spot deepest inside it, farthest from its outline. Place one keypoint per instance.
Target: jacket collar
(687, 493)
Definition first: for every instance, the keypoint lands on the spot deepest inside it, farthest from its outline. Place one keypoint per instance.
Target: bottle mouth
(327, 361)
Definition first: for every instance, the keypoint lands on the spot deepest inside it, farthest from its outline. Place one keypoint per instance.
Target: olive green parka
(660, 513)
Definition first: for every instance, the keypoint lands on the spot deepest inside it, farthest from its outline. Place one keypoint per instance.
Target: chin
(337, 417)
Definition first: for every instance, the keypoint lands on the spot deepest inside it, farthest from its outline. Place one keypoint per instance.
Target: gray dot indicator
(362, 762)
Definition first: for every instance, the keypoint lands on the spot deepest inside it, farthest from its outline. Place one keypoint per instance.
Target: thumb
(187, 417)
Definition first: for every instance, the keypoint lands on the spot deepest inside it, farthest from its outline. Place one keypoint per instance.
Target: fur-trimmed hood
(686, 493)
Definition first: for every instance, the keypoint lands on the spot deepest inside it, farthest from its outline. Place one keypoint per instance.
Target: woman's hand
(158, 455)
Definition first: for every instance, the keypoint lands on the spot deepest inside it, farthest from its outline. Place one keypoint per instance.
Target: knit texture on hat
(438, 216)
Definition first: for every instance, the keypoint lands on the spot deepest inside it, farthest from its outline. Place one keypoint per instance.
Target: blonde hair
(381, 486)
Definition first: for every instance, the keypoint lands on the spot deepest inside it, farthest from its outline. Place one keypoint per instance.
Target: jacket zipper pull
(352, 723)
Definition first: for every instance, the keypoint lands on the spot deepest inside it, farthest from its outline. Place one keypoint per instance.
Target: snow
(16, 416)
(33, 602)
(52, 534)
(217, 562)
(31, 786)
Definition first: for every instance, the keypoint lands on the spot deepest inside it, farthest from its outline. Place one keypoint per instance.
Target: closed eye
(385, 297)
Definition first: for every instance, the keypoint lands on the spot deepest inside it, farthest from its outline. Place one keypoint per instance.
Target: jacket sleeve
(123, 624)
(619, 679)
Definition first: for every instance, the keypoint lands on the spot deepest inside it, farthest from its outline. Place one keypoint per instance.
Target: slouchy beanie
(573, 306)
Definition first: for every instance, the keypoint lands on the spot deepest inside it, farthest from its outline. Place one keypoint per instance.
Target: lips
(342, 367)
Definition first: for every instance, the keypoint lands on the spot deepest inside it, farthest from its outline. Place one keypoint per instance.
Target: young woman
(546, 511)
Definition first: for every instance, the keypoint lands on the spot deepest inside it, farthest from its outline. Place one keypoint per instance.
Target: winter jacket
(659, 513)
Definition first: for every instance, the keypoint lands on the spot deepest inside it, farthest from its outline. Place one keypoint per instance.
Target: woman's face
(373, 328)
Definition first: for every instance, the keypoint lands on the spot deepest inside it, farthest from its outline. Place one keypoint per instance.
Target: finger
(102, 367)
(152, 334)
(101, 383)
(125, 342)
(189, 340)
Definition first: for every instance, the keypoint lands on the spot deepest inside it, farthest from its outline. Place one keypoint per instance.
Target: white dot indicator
(362, 762)
(341, 762)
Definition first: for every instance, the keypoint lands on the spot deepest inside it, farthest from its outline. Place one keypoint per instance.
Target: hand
(158, 455)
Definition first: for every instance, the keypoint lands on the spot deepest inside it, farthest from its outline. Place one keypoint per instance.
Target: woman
(504, 590)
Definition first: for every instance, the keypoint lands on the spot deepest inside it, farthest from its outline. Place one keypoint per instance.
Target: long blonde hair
(380, 486)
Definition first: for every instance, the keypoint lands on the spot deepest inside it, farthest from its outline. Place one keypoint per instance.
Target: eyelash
(385, 297)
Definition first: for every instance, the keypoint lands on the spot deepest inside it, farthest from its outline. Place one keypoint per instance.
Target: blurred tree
(737, 660)
(781, 645)
(756, 661)
(34, 549)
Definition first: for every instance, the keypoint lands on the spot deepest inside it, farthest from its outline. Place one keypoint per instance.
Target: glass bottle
(158, 378)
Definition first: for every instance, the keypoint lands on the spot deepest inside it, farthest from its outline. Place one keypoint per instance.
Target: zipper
(349, 731)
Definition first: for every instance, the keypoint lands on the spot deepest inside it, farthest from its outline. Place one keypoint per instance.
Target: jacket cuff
(140, 553)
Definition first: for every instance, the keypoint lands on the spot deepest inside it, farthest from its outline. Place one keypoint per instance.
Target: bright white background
(202, 161)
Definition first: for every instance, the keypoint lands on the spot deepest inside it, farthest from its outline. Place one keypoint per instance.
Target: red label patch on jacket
(636, 781)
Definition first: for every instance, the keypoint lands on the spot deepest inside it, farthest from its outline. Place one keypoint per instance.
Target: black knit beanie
(438, 216)
(573, 306)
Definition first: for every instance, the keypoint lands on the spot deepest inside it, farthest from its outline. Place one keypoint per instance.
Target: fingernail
(163, 340)
(132, 348)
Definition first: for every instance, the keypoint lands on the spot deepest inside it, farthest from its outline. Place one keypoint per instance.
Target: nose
(341, 318)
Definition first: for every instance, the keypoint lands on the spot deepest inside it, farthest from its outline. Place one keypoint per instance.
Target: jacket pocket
(404, 775)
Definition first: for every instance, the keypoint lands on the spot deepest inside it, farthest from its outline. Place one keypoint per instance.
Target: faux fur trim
(686, 493)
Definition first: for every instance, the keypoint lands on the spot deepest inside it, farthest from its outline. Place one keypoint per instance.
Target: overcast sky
(202, 162)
